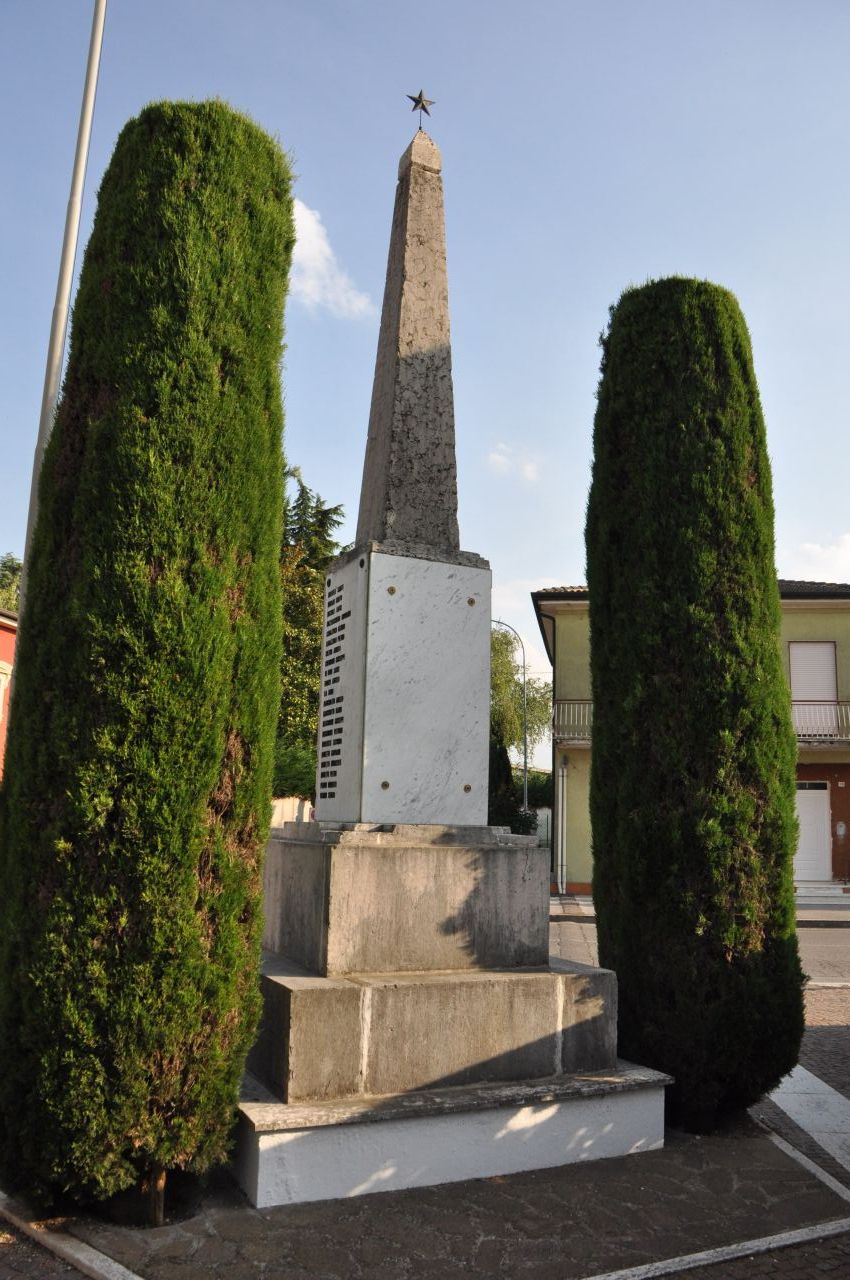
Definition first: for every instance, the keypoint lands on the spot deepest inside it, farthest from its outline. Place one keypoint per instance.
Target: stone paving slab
(572, 938)
(569, 1223)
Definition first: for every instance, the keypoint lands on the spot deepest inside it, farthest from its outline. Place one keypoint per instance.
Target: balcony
(815, 723)
(821, 722)
(572, 721)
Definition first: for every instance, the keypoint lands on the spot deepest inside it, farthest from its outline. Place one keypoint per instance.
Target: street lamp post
(497, 622)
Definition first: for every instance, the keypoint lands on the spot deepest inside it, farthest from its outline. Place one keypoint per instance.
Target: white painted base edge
(333, 1162)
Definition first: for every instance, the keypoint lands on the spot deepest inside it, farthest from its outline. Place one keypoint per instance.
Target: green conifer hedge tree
(692, 783)
(138, 768)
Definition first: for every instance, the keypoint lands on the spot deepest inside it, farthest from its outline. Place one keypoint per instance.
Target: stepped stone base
(287, 1153)
(415, 1030)
(326, 1038)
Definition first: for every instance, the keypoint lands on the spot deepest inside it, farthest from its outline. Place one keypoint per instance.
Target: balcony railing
(821, 721)
(572, 721)
(814, 722)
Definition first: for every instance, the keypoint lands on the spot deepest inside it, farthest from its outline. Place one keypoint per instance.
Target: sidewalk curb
(90, 1261)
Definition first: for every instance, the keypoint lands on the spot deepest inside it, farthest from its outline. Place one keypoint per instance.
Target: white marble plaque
(425, 732)
(413, 675)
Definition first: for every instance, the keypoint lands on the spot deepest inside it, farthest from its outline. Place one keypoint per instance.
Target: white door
(814, 847)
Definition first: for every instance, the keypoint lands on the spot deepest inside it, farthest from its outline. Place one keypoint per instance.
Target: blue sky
(587, 145)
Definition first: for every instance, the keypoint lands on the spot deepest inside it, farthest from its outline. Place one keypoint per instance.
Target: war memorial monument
(415, 1030)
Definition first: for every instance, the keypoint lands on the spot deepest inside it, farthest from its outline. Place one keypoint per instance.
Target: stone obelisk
(406, 658)
(409, 490)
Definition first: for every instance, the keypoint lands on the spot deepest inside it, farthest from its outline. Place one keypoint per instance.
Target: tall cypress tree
(138, 768)
(692, 784)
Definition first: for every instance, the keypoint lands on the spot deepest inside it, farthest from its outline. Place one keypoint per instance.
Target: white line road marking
(827, 1178)
(819, 1109)
(709, 1257)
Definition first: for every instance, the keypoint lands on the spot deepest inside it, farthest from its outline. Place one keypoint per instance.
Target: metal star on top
(420, 104)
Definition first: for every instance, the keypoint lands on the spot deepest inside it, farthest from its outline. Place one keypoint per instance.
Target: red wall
(8, 631)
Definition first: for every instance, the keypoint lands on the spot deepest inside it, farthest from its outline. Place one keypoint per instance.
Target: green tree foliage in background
(506, 720)
(506, 725)
(138, 768)
(504, 808)
(692, 786)
(10, 581)
(540, 792)
(308, 546)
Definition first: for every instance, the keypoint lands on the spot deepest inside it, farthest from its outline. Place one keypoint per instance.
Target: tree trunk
(156, 1196)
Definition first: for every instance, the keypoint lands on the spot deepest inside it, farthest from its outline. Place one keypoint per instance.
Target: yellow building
(815, 642)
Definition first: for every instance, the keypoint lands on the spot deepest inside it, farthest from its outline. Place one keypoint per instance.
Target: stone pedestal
(414, 1028)
(368, 899)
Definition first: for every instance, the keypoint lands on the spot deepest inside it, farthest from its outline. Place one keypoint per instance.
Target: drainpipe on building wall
(561, 830)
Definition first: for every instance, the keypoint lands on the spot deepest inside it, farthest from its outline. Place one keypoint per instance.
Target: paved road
(823, 933)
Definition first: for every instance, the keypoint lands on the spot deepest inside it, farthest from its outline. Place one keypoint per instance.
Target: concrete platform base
(289, 1153)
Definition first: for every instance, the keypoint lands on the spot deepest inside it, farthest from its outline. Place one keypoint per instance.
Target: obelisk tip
(422, 151)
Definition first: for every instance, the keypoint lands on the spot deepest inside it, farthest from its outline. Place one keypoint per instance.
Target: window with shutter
(814, 690)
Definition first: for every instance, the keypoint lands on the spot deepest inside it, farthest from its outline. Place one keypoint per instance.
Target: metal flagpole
(59, 324)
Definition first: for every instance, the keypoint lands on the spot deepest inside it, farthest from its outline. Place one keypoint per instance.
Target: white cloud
(506, 461)
(499, 459)
(317, 278)
(818, 562)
